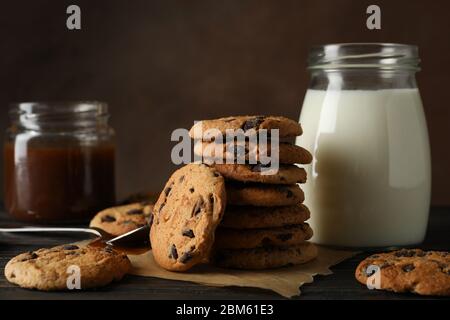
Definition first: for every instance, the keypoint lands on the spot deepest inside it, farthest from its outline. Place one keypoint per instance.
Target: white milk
(369, 183)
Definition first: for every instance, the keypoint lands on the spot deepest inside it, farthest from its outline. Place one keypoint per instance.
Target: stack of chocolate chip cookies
(263, 225)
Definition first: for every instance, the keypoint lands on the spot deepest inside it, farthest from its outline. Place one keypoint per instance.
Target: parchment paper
(284, 281)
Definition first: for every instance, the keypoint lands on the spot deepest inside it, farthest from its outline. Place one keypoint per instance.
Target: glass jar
(362, 116)
(59, 161)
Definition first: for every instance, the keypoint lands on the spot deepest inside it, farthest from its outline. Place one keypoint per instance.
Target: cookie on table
(250, 217)
(265, 257)
(286, 174)
(227, 238)
(249, 124)
(122, 219)
(263, 195)
(409, 270)
(212, 152)
(186, 216)
(48, 269)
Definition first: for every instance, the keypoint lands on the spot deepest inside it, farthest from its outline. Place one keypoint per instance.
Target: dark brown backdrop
(162, 64)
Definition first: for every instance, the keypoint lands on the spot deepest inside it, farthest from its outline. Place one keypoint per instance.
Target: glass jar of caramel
(59, 161)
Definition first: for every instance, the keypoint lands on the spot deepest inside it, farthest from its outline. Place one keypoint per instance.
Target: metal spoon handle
(50, 229)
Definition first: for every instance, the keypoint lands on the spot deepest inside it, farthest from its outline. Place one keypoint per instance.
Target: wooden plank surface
(340, 285)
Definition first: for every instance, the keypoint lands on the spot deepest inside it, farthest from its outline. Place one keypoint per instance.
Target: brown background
(162, 64)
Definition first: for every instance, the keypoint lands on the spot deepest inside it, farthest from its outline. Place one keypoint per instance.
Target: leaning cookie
(265, 257)
(284, 174)
(408, 270)
(122, 219)
(186, 216)
(49, 269)
(228, 238)
(209, 130)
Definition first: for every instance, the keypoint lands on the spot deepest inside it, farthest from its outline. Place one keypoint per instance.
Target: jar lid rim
(387, 56)
(58, 107)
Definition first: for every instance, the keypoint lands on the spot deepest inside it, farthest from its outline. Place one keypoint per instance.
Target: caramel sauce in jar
(59, 162)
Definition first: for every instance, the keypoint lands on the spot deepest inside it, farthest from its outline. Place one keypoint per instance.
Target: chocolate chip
(173, 252)
(188, 233)
(161, 206)
(216, 174)
(408, 268)
(211, 198)
(441, 265)
(108, 249)
(108, 218)
(191, 190)
(252, 123)
(285, 236)
(385, 265)
(186, 257)
(135, 211)
(71, 247)
(167, 191)
(405, 253)
(197, 208)
(181, 179)
(421, 254)
(289, 193)
(31, 256)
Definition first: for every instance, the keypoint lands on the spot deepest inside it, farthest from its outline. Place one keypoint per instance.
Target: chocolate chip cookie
(49, 269)
(409, 270)
(286, 174)
(250, 217)
(208, 130)
(263, 195)
(227, 238)
(122, 219)
(221, 152)
(265, 257)
(186, 215)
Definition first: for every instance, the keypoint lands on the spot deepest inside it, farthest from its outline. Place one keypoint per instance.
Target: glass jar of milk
(362, 117)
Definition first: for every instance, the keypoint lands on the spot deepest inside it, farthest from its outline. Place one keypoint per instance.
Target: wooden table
(340, 285)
